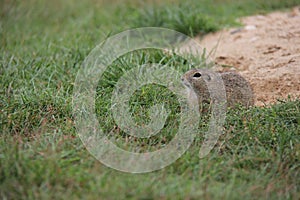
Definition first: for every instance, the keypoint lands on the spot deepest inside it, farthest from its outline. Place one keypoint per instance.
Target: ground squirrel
(238, 90)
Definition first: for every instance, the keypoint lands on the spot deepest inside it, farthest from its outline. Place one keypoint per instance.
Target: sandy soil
(266, 51)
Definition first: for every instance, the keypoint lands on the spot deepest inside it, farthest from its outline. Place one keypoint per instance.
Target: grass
(43, 44)
(200, 17)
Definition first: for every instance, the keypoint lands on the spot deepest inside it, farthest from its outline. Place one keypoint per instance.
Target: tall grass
(42, 46)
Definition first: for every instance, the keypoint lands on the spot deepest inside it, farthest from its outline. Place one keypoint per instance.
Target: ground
(266, 51)
(43, 44)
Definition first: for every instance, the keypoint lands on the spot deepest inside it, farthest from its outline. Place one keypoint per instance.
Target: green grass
(199, 17)
(43, 44)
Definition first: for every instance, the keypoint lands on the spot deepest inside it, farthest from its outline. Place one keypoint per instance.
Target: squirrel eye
(197, 75)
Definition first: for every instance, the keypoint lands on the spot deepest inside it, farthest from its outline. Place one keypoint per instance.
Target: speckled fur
(238, 90)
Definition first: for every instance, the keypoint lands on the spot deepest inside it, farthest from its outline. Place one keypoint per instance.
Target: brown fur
(238, 90)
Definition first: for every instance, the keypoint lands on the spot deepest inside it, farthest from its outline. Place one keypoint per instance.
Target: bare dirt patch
(266, 51)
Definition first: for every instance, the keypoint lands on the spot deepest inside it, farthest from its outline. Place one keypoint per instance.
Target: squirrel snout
(185, 82)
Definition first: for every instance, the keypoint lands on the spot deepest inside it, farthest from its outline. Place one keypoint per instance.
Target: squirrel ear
(207, 77)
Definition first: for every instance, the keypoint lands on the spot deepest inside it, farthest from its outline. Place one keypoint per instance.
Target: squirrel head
(196, 79)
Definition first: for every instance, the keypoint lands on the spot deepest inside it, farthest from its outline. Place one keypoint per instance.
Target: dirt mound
(266, 51)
